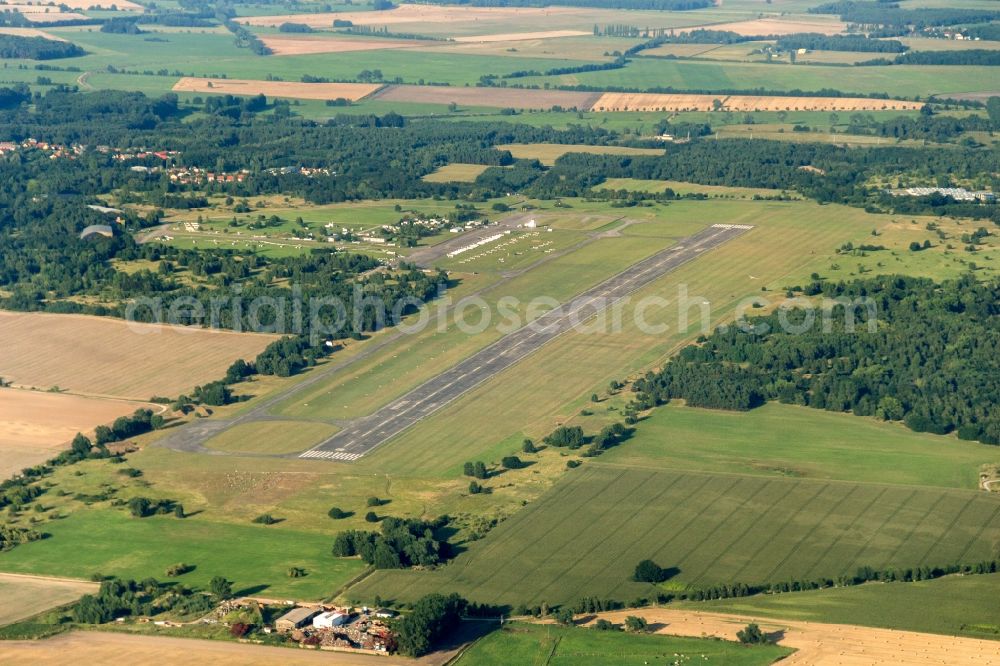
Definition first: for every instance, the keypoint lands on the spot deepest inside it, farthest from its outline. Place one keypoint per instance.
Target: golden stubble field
(776, 26)
(114, 358)
(25, 596)
(819, 643)
(404, 13)
(291, 45)
(36, 425)
(665, 102)
(322, 91)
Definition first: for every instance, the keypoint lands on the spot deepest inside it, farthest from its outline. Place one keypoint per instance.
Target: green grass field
(721, 191)
(796, 442)
(255, 557)
(520, 643)
(585, 537)
(272, 437)
(959, 605)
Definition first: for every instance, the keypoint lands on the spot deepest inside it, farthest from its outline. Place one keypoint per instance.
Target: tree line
(37, 48)
(914, 351)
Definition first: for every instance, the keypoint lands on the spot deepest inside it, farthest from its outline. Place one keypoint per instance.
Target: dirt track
(818, 644)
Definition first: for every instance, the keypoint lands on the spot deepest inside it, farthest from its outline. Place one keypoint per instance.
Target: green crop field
(585, 537)
(521, 643)
(958, 605)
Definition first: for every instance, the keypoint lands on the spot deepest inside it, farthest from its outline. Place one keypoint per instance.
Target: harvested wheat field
(284, 45)
(522, 36)
(775, 26)
(100, 647)
(496, 97)
(404, 13)
(750, 103)
(548, 153)
(818, 644)
(351, 91)
(27, 596)
(657, 102)
(37, 425)
(115, 358)
(653, 102)
(121, 5)
(53, 17)
(456, 173)
(28, 32)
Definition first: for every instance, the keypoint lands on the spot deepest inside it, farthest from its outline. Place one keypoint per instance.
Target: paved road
(365, 434)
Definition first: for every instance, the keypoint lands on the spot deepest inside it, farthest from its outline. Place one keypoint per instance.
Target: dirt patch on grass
(26, 596)
(282, 45)
(115, 358)
(495, 97)
(351, 91)
(818, 643)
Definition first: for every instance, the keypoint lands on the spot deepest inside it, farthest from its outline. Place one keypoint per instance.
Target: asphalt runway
(365, 434)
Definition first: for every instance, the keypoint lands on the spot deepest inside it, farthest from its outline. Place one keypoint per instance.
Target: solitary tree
(220, 587)
(752, 635)
(637, 624)
(649, 571)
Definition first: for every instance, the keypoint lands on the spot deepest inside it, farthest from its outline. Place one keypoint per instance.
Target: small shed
(295, 619)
